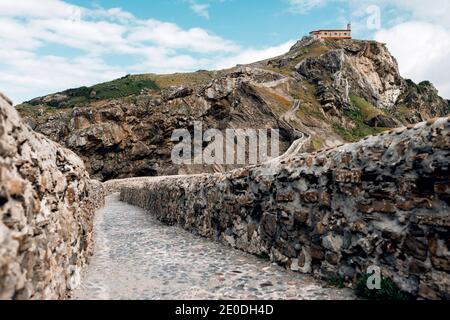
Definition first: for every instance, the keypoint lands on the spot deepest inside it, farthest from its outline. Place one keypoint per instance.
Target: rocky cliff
(47, 202)
(347, 89)
(382, 202)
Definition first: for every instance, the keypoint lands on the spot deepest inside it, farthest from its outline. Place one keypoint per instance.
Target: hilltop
(347, 89)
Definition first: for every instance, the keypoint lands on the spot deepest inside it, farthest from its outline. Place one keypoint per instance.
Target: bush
(337, 281)
(388, 291)
(123, 87)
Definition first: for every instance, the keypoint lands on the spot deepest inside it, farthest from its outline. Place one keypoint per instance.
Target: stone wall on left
(47, 204)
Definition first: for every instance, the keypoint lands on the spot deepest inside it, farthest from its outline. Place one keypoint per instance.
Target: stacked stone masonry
(47, 201)
(384, 201)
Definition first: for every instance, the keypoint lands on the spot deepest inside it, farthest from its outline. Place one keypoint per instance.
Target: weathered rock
(177, 93)
(423, 100)
(364, 68)
(47, 202)
(382, 121)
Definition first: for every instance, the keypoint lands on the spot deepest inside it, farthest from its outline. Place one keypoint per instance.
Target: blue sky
(256, 23)
(51, 45)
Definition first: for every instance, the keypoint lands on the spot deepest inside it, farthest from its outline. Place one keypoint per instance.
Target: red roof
(340, 30)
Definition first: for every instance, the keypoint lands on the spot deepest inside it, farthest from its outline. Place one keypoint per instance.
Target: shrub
(388, 291)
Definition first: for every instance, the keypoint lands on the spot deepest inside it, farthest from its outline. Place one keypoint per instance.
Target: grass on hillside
(367, 110)
(360, 112)
(314, 50)
(309, 106)
(124, 87)
(317, 143)
(279, 104)
(164, 81)
(39, 113)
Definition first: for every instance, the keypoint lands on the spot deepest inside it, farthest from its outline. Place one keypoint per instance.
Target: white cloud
(399, 11)
(169, 35)
(422, 50)
(39, 9)
(28, 26)
(30, 29)
(254, 55)
(200, 9)
(417, 34)
(29, 75)
(436, 11)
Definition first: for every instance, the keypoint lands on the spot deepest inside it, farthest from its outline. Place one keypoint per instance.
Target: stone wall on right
(384, 201)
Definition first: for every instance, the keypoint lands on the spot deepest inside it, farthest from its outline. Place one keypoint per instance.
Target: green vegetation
(263, 255)
(367, 110)
(388, 291)
(177, 79)
(401, 112)
(309, 106)
(127, 86)
(360, 112)
(337, 281)
(424, 84)
(421, 87)
(123, 87)
(316, 144)
(361, 130)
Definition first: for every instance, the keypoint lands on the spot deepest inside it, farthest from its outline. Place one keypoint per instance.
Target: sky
(52, 45)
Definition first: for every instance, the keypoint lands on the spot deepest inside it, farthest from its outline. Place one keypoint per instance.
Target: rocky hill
(332, 90)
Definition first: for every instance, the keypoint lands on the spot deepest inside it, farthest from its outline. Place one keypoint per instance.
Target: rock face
(120, 139)
(346, 89)
(419, 102)
(384, 201)
(47, 201)
(365, 69)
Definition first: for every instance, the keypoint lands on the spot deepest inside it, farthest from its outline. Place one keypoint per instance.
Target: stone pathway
(137, 257)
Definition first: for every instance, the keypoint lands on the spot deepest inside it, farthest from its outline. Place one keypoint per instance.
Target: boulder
(382, 121)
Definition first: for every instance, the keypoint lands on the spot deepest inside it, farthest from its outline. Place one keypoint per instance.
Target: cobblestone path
(137, 257)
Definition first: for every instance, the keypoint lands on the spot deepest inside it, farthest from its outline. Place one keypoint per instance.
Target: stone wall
(47, 201)
(114, 186)
(384, 201)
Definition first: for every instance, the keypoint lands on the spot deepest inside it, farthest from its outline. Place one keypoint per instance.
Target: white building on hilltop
(333, 34)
